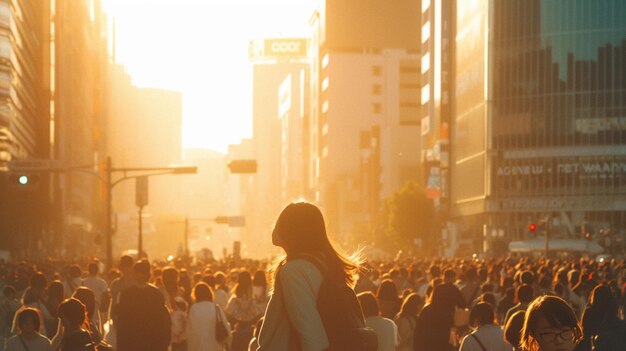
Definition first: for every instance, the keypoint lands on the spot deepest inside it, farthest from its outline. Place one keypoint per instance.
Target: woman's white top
(294, 300)
(490, 335)
(201, 327)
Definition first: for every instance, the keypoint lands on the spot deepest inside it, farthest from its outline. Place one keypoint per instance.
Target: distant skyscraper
(539, 127)
(275, 104)
(144, 130)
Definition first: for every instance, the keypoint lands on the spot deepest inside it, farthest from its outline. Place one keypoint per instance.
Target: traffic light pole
(110, 184)
(109, 214)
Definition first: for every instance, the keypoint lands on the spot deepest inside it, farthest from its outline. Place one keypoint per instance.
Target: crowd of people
(436, 304)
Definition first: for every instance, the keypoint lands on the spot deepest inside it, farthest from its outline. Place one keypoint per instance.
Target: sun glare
(200, 48)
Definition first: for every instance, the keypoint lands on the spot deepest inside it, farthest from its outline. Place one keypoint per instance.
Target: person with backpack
(406, 320)
(313, 306)
(386, 330)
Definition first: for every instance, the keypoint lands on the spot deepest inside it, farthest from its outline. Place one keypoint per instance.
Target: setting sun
(200, 48)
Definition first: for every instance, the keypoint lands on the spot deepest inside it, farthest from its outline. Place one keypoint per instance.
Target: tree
(408, 214)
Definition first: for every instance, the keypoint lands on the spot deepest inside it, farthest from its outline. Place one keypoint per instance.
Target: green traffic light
(23, 180)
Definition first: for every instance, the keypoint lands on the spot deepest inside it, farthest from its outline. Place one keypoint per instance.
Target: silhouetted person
(143, 322)
(75, 334)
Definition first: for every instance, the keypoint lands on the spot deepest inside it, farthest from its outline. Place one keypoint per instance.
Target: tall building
(77, 121)
(54, 81)
(437, 74)
(538, 132)
(276, 105)
(24, 119)
(365, 109)
(144, 130)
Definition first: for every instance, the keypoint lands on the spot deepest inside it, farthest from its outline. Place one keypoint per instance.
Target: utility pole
(186, 238)
(140, 240)
(109, 213)
(548, 222)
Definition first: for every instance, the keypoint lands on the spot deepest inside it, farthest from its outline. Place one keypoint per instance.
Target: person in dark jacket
(602, 328)
(432, 331)
(144, 321)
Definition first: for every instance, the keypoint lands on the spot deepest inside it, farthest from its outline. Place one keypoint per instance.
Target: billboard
(278, 48)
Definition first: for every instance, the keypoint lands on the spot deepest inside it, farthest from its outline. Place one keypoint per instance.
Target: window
(377, 89)
(377, 71)
(377, 108)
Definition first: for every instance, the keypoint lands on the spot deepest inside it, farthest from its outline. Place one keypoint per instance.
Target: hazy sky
(200, 48)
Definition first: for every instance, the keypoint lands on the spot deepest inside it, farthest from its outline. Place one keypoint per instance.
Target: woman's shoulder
(298, 267)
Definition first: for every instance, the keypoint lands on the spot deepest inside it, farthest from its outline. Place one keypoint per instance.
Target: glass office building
(539, 128)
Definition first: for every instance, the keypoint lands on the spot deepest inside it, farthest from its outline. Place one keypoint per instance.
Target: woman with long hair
(202, 321)
(406, 320)
(602, 328)
(260, 288)
(28, 324)
(243, 312)
(550, 324)
(435, 322)
(388, 299)
(292, 317)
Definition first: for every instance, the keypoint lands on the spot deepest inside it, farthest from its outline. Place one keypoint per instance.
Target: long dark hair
(244, 285)
(301, 229)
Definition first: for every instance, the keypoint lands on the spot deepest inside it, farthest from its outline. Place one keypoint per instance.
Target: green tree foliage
(408, 215)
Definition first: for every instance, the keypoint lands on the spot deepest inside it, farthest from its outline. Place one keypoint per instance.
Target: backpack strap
(473, 335)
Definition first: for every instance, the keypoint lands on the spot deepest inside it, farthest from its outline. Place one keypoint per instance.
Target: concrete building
(77, 120)
(54, 81)
(24, 119)
(364, 125)
(277, 115)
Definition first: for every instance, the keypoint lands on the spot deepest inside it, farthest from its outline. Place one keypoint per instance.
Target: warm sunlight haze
(200, 48)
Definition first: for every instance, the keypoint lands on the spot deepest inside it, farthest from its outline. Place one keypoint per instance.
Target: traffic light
(532, 227)
(24, 180)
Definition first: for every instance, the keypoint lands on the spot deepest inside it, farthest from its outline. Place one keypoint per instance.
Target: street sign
(141, 191)
(236, 221)
(36, 165)
(242, 166)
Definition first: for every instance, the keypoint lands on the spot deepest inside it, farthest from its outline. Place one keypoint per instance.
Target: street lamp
(144, 172)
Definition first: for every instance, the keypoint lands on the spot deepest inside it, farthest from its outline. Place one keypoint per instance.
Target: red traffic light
(532, 227)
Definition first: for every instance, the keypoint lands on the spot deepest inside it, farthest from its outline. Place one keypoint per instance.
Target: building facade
(365, 110)
(24, 119)
(77, 120)
(277, 115)
(538, 133)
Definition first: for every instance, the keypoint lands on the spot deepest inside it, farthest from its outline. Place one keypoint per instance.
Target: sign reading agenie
(278, 48)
